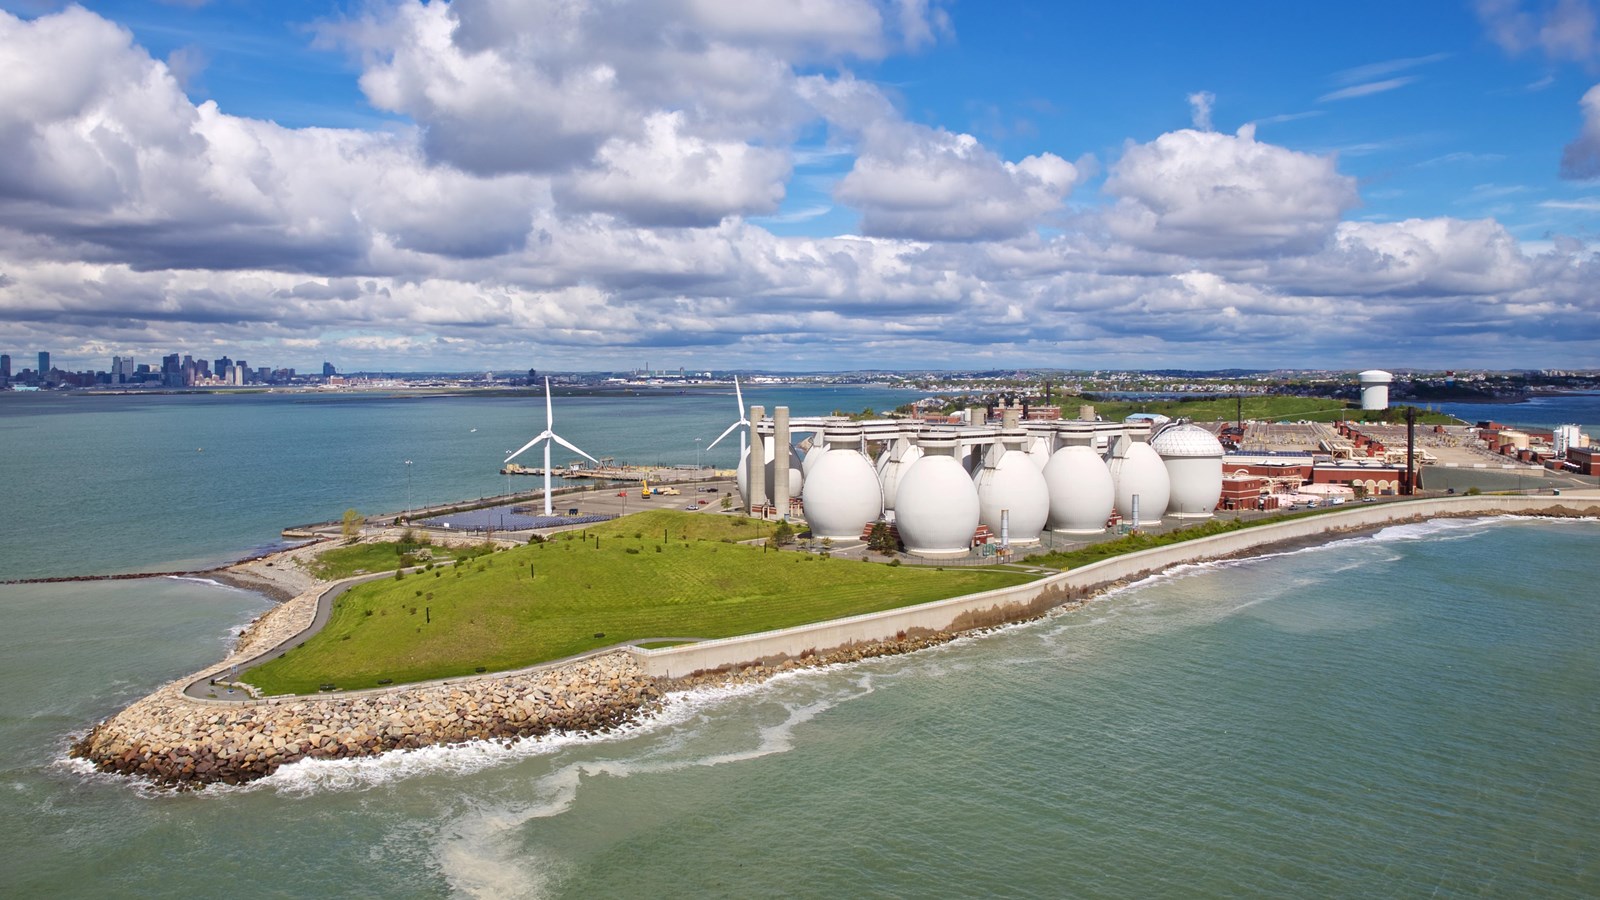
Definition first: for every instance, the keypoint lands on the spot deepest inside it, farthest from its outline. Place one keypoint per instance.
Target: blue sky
(809, 184)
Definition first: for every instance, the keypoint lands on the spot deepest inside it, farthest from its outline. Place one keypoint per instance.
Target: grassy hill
(1260, 408)
(589, 589)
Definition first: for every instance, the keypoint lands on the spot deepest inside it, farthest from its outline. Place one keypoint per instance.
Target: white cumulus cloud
(1206, 194)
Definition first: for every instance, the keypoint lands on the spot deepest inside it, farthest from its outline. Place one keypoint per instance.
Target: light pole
(697, 456)
(507, 468)
(408, 489)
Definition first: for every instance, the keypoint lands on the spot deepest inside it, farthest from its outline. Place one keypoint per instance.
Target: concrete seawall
(1026, 601)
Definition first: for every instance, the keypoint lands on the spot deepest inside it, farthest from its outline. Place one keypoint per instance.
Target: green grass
(684, 526)
(1259, 408)
(386, 556)
(1133, 543)
(546, 601)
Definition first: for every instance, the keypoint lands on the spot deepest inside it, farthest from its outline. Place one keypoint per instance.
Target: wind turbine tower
(549, 437)
(741, 421)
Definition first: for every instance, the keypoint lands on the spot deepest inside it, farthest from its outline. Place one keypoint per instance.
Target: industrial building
(944, 485)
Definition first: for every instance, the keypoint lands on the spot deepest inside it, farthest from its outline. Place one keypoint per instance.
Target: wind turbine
(549, 437)
(740, 421)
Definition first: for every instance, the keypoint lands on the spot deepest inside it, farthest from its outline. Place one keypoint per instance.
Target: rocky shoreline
(175, 741)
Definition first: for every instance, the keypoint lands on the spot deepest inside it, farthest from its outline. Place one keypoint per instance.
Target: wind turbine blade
(549, 413)
(542, 436)
(739, 395)
(724, 434)
(573, 447)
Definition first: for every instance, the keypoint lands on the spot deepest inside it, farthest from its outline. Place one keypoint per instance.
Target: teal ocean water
(1412, 712)
(101, 484)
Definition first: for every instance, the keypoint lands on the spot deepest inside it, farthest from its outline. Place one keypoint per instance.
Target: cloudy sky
(802, 184)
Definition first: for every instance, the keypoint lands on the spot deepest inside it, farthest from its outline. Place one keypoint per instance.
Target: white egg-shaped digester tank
(796, 473)
(903, 452)
(1138, 471)
(1193, 457)
(1039, 450)
(936, 509)
(1010, 487)
(813, 454)
(842, 496)
(1082, 494)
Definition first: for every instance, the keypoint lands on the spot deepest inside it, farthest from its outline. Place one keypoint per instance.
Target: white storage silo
(842, 496)
(1193, 457)
(1137, 471)
(1008, 481)
(1082, 494)
(1375, 389)
(936, 509)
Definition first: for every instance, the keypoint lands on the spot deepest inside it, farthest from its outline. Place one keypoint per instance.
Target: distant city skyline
(803, 186)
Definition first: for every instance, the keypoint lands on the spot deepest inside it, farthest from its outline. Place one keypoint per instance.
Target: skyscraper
(44, 364)
(5, 365)
(328, 371)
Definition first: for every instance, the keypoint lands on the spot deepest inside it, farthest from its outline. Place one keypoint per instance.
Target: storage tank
(813, 453)
(1193, 457)
(1009, 481)
(1039, 450)
(936, 510)
(897, 460)
(1082, 494)
(796, 475)
(1375, 389)
(1137, 470)
(842, 496)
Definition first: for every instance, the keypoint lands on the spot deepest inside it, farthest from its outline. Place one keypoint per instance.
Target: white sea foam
(481, 852)
(198, 579)
(312, 775)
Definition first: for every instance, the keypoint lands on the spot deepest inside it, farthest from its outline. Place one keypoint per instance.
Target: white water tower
(1375, 389)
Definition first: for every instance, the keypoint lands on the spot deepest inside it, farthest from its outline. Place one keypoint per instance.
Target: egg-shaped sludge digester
(936, 507)
(1082, 494)
(1012, 492)
(1139, 472)
(842, 496)
(902, 454)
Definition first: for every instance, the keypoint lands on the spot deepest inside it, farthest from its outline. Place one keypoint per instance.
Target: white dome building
(1082, 494)
(936, 509)
(1193, 457)
(842, 496)
(796, 476)
(1011, 488)
(896, 462)
(1139, 472)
